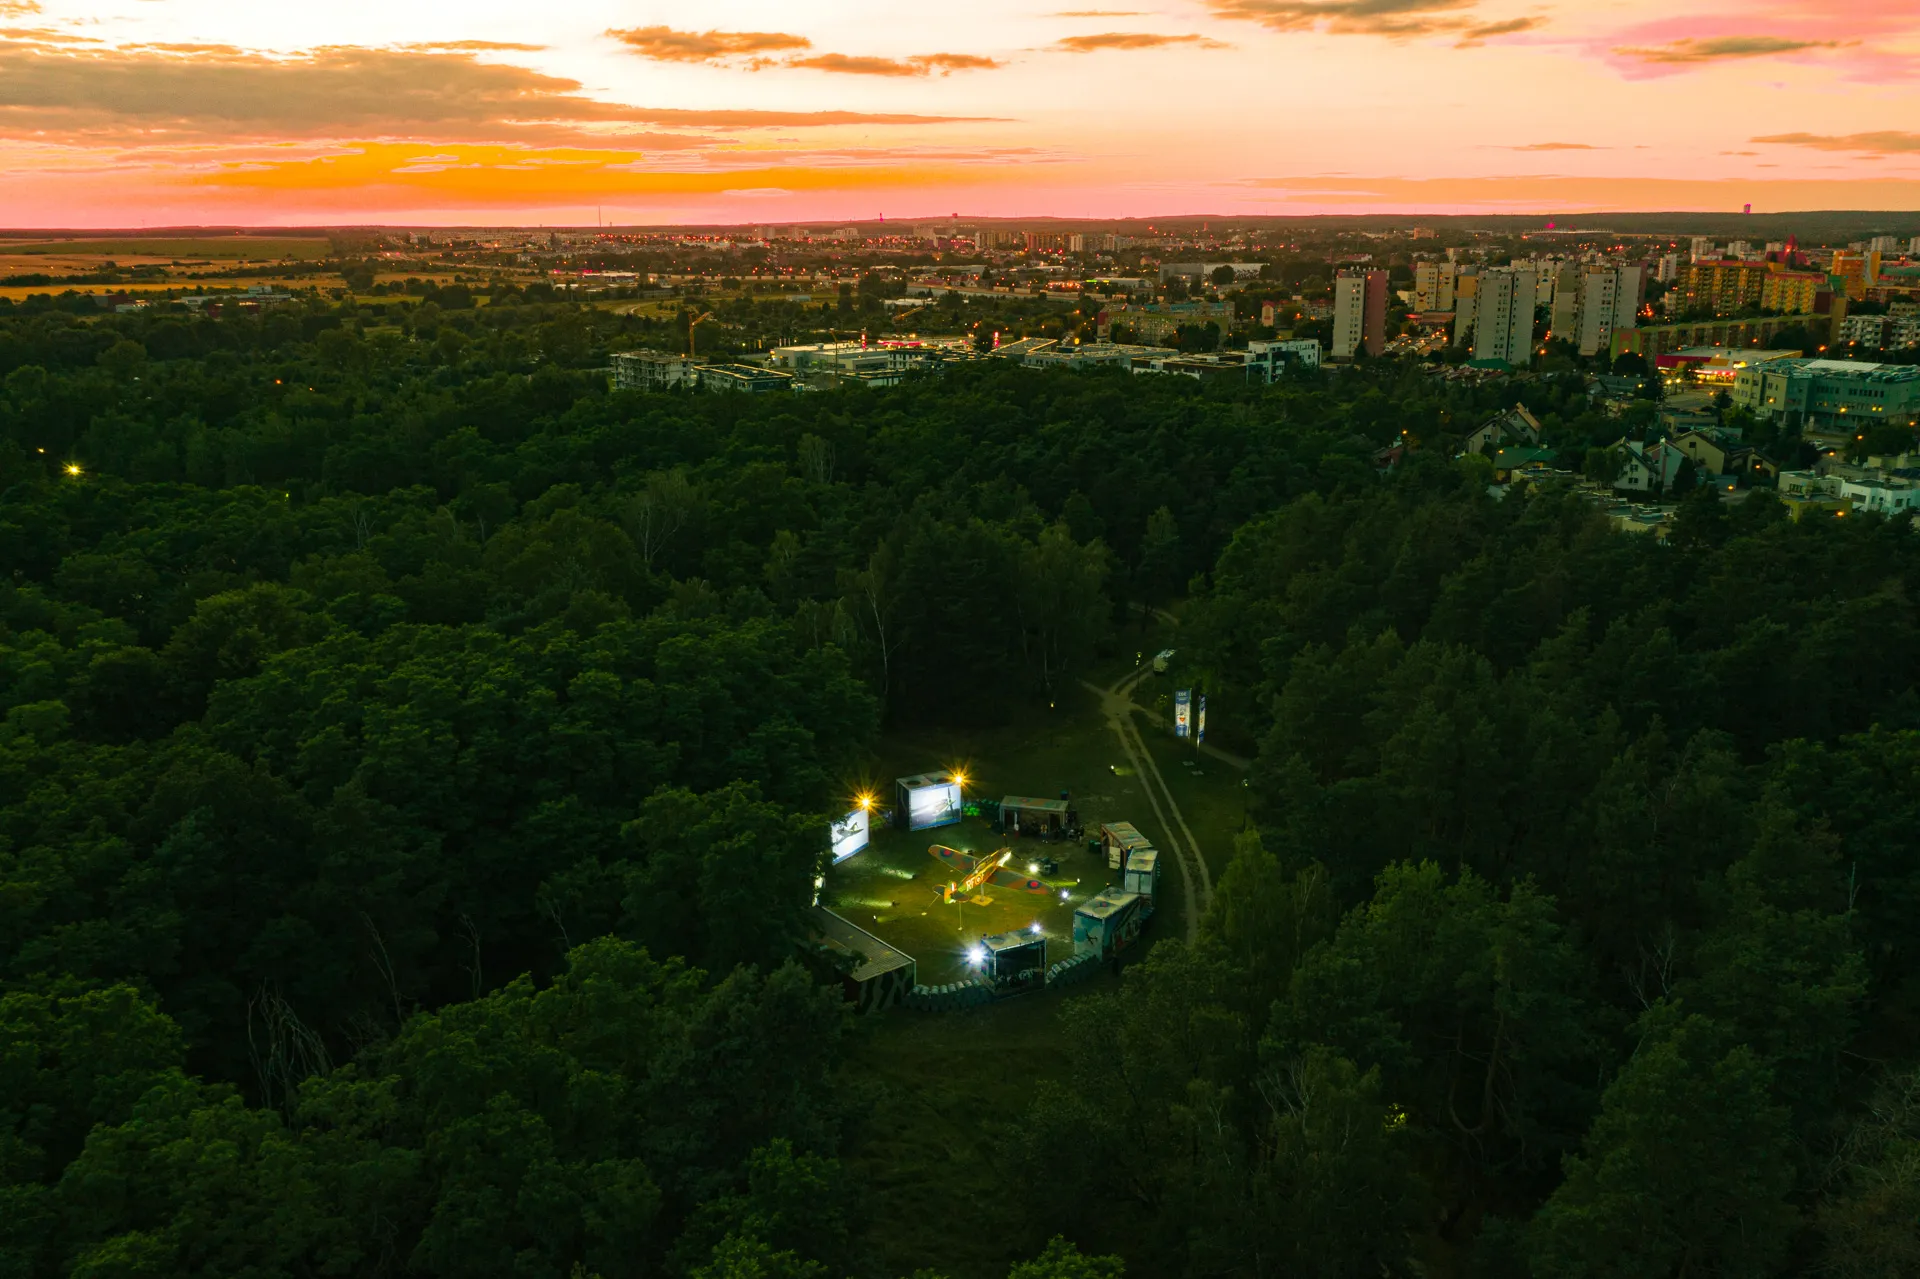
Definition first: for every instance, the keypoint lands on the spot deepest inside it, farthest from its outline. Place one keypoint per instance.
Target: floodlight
(977, 956)
(1063, 894)
(1035, 930)
(73, 468)
(1033, 868)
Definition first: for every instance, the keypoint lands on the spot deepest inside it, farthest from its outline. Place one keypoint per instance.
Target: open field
(167, 249)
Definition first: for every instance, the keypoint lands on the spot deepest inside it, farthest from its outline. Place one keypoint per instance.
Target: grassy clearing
(931, 1159)
(892, 887)
(941, 1097)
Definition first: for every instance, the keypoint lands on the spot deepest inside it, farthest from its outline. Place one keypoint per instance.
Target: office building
(1433, 286)
(1827, 393)
(1503, 323)
(1359, 313)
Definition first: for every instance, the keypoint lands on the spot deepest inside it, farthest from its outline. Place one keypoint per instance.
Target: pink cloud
(1849, 38)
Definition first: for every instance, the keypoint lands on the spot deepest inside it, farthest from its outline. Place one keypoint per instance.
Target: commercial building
(1830, 392)
(1202, 272)
(1087, 355)
(1266, 360)
(746, 379)
(1359, 313)
(1715, 365)
(1503, 324)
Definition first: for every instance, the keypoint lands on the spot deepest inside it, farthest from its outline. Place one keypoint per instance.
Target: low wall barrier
(955, 996)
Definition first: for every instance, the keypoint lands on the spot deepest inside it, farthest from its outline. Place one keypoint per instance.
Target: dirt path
(1116, 703)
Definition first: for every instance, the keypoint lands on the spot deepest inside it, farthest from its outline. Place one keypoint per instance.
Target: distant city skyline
(126, 112)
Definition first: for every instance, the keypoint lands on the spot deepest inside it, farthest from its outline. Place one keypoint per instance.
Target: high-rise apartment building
(1856, 271)
(1703, 249)
(1884, 244)
(1359, 313)
(1564, 320)
(1609, 299)
(1791, 292)
(1724, 286)
(1669, 269)
(1503, 324)
(1433, 286)
(1466, 304)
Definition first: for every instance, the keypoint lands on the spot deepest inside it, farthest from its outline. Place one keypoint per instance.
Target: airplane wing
(1008, 879)
(953, 857)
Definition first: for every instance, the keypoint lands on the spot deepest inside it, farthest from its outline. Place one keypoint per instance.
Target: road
(1116, 703)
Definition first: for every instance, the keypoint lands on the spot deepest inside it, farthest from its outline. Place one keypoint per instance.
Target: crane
(691, 326)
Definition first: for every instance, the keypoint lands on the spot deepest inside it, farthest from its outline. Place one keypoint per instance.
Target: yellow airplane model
(978, 872)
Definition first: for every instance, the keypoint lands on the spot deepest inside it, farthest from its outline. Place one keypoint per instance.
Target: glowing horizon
(204, 112)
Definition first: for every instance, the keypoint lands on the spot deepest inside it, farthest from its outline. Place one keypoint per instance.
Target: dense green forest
(416, 756)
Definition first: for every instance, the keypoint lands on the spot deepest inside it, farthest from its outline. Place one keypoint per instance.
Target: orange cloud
(1130, 40)
(917, 65)
(473, 46)
(1884, 143)
(664, 44)
(1722, 48)
(1475, 36)
(392, 175)
(149, 95)
(1350, 17)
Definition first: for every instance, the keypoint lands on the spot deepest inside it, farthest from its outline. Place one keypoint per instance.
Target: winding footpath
(1116, 702)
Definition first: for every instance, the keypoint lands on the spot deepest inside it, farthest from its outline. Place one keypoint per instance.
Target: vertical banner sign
(1182, 700)
(1200, 720)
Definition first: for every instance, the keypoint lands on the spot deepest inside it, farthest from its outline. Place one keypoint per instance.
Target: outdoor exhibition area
(955, 892)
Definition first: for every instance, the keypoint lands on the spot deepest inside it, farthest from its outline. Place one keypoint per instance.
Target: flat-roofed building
(1827, 393)
(650, 370)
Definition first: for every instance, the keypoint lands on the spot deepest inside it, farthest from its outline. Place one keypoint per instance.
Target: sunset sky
(168, 112)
